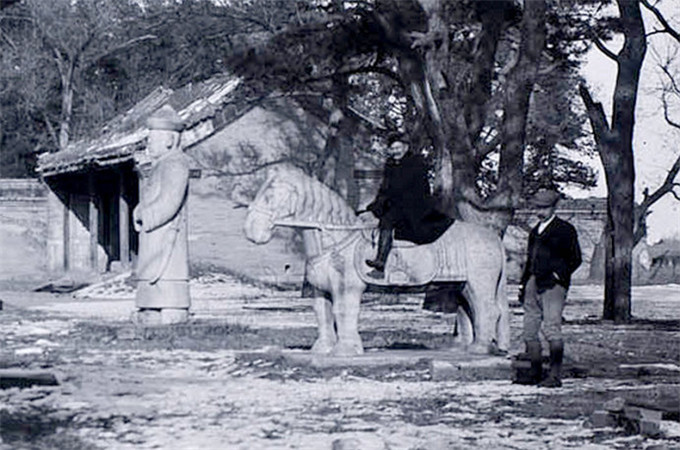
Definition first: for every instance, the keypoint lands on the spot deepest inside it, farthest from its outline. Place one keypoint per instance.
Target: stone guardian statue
(160, 218)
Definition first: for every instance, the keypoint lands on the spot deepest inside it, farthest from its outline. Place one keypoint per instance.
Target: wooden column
(93, 222)
(123, 221)
(67, 232)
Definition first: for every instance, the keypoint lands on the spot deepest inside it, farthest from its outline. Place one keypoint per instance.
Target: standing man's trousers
(545, 307)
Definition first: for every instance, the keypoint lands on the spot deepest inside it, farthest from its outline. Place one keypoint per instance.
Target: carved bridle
(318, 227)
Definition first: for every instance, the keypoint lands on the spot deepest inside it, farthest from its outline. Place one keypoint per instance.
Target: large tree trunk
(451, 96)
(66, 111)
(67, 67)
(518, 91)
(615, 146)
(337, 169)
(467, 110)
(497, 211)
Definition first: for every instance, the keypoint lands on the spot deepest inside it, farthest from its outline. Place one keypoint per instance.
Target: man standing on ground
(553, 255)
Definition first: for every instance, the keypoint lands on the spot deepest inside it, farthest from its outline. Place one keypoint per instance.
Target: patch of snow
(671, 367)
(670, 429)
(46, 343)
(29, 351)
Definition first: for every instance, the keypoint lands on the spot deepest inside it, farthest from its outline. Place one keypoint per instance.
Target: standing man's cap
(544, 198)
(165, 118)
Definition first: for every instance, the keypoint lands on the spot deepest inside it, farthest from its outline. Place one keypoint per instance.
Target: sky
(656, 144)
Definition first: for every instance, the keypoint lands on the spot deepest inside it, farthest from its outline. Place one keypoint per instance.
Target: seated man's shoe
(376, 264)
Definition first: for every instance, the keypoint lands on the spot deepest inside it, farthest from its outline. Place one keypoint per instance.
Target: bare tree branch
(652, 33)
(642, 211)
(662, 20)
(50, 129)
(9, 41)
(595, 111)
(125, 45)
(671, 79)
(608, 53)
(675, 194)
(666, 113)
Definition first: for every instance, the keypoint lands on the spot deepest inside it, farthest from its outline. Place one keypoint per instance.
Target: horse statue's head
(290, 195)
(274, 201)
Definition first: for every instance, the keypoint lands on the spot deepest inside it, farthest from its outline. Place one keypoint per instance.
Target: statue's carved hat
(165, 118)
(544, 198)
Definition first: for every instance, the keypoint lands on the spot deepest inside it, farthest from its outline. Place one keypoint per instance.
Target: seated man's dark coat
(405, 203)
(555, 251)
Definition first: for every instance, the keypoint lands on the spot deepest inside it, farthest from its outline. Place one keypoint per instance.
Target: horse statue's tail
(503, 324)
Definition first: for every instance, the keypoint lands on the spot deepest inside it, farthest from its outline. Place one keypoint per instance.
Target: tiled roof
(205, 107)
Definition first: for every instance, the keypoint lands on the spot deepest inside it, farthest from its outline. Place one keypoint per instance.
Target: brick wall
(23, 228)
(587, 216)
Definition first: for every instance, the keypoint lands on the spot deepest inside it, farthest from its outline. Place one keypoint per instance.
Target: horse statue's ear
(274, 170)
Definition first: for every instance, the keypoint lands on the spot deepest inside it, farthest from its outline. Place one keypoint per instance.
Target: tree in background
(670, 101)
(67, 67)
(614, 137)
(482, 84)
(68, 38)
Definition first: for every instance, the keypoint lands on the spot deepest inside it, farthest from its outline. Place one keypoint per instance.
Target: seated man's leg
(384, 247)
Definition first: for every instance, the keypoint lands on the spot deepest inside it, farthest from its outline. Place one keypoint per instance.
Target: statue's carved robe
(163, 262)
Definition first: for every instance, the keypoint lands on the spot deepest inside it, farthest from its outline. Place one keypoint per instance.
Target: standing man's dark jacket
(405, 203)
(553, 255)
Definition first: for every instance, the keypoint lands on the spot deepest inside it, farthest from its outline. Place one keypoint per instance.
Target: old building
(93, 186)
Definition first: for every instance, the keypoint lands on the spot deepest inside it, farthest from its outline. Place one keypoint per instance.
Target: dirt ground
(239, 376)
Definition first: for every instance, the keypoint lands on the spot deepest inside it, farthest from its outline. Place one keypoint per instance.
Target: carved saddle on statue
(410, 264)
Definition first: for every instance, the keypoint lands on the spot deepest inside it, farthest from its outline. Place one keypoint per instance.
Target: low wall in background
(217, 239)
(23, 228)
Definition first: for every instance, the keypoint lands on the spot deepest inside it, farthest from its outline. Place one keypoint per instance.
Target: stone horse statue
(337, 243)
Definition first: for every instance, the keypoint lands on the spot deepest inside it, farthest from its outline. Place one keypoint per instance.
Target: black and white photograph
(339, 224)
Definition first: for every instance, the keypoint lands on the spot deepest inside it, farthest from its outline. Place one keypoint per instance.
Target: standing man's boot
(384, 247)
(554, 378)
(536, 358)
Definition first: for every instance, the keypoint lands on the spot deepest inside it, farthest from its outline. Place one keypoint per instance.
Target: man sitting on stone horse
(404, 205)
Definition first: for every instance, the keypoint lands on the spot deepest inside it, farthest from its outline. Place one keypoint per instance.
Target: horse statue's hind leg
(484, 291)
(464, 332)
(484, 318)
(503, 323)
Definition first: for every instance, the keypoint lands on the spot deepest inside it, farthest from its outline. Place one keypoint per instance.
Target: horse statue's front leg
(338, 319)
(346, 306)
(327, 338)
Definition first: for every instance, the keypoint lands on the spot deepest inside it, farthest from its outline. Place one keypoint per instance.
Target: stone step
(453, 364)
(20, 378)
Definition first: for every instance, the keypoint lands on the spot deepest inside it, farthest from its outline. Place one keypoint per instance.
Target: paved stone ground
(229, 381)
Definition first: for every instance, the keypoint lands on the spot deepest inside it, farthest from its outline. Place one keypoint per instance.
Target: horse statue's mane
(316, 202)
